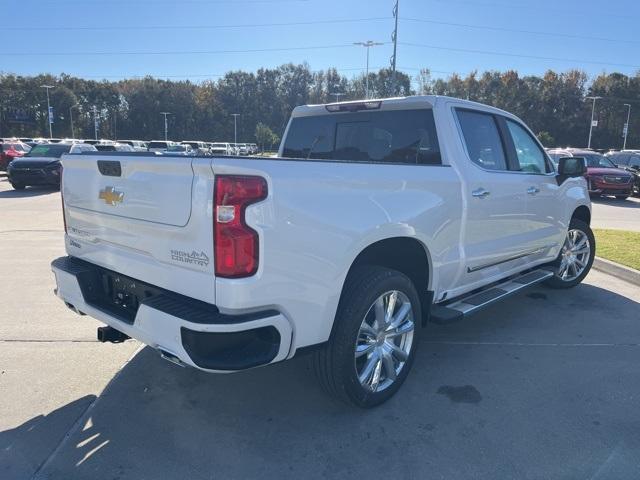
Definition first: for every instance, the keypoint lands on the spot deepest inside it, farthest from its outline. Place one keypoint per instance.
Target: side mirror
(569, 167)
(572, 166)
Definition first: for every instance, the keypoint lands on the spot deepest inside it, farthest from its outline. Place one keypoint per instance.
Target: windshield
(50, 151)
(177, 148)
(595, 160)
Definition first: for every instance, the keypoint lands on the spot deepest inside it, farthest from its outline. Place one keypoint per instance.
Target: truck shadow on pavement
(507, 394)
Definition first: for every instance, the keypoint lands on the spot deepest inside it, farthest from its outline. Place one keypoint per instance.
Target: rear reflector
(236, 245)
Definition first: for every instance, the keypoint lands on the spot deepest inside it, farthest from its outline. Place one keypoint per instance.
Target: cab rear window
(402, 136)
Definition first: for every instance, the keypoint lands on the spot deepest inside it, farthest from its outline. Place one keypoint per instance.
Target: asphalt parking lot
(544, 386)
(609, 212)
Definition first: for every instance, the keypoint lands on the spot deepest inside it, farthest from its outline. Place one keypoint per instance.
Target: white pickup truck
(376, 217)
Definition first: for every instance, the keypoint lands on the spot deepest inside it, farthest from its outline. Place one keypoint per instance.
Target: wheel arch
(407, 255)
(582, 213)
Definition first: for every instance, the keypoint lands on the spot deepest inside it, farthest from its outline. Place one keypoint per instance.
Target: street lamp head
(47, 86)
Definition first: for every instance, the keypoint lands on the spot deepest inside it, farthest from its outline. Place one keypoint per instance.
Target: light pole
(593, 109)
(49, 109)
(337, 94)
(73, 135)
(368, 44)
(626, 126)
(166, 125)
(95, 122)
(235, 127)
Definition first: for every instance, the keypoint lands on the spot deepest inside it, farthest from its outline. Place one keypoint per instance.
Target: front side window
(529, 154)
(482, 139)
(401, 136)
(634, 162)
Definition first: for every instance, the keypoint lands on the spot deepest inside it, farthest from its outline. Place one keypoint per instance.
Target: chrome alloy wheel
(384, 341)
(574, 256)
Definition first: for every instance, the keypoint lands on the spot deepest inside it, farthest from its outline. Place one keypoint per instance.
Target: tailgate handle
(110, 168)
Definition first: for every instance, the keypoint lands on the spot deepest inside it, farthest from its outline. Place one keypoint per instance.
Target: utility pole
(337, 94)
(394, 39)
(593, 109)
(49, 112)
(73, 135)
(95, 122)
(368, 44)
(166, 125)
(235, 127)
(626, 126)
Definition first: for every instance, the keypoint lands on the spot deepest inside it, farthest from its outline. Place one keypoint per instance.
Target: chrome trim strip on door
(515, 257)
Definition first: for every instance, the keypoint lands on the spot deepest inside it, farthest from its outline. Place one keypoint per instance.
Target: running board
(464, 306)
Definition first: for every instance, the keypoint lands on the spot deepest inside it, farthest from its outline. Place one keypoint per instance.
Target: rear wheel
(576, 256)
(17, 186)
(374, 340)
(622, 197)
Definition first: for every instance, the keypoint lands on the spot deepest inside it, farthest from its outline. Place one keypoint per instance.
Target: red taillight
(64, 216)
(236, 244)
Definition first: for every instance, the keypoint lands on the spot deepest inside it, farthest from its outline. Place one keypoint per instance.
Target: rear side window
(634, 162)
(531, 158)
(482, 139)
(402, 136)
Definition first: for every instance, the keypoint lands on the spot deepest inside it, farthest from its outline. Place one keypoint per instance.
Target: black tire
(335, 363)
(17, 186)
(622, 197)
(559, 283)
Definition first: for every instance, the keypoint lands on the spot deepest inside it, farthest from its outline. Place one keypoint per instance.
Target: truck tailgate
(133, 214)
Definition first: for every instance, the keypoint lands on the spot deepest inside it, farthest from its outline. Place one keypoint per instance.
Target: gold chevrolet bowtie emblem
(111, 196)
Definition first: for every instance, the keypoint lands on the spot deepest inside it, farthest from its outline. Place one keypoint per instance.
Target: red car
(603, 177)
(11, 150)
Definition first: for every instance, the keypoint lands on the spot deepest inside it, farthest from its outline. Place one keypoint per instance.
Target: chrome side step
(459, 308)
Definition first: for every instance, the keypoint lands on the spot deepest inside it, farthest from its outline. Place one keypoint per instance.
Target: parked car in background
(376, 217)
(628, 160)
(199, 148)
(113, 147)
(179, 150)
(10, 150)
(137, 145)
(603, 177)
(221, 148)
(41, 166)
(160, 145)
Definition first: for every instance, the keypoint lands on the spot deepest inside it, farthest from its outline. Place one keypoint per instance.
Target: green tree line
(554, 105)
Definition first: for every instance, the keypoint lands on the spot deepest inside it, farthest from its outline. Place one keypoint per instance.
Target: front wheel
(17, 186)
(622, 197)
(375, 336)
(576, 256)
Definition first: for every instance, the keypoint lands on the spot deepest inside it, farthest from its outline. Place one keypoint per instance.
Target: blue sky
(44, 32)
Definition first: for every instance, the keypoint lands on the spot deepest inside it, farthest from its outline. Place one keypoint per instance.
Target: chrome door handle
(533, 190)
(480, 193)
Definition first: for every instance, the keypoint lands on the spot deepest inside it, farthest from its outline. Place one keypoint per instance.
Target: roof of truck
(395, 103)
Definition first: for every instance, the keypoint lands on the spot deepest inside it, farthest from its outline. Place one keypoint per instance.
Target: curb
(627, 274)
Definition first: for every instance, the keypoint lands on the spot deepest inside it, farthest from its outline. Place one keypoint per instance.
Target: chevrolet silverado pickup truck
(376, 217)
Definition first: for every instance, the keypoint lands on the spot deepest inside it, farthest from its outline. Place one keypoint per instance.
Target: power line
(517, 55)
(208, 75)
(195, 27)
(513, 30)
(180, 52)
